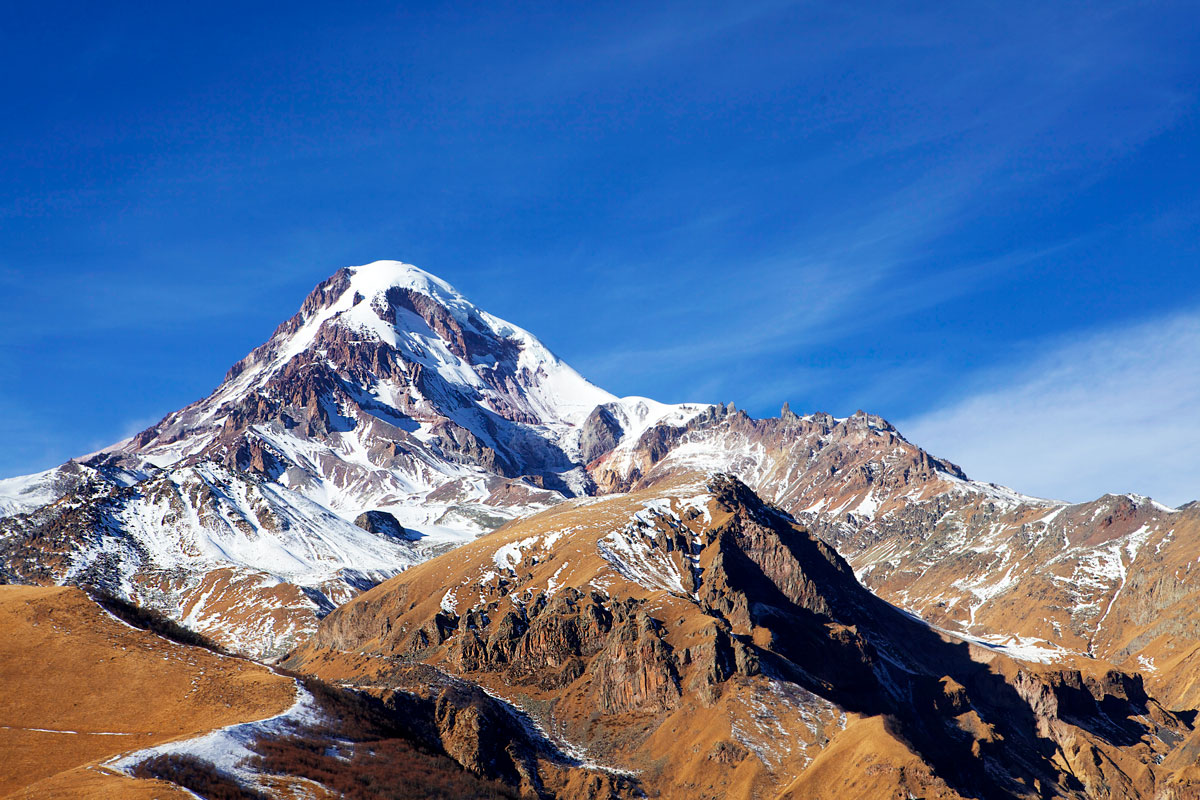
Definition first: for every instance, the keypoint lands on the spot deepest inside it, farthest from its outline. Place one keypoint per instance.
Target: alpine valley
(403, 550)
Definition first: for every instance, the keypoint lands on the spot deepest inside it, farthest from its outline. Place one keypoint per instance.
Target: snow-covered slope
(386, 386)
(29, 492)
(231, 555)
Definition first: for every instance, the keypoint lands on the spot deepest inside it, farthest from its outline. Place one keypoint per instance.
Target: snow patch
(227, 748)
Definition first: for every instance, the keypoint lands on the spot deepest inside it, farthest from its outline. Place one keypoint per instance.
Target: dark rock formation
(384, 524)
(600, 434)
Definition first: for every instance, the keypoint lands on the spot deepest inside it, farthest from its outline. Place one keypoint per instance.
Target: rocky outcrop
(808, 572)
(636, 670)
(599, 435)
(491, 738)
(617, 646)
(384, 524)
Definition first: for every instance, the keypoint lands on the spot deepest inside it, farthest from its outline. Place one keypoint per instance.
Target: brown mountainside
(703, 642)
(78, 687)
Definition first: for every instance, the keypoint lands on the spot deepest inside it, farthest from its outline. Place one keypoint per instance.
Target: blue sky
(936, 212)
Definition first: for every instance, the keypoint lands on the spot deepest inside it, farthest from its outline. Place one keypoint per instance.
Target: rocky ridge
(701, 640)
(1039, 579)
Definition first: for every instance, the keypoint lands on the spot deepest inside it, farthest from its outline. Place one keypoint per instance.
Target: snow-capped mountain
(388, 395)
(386, 386)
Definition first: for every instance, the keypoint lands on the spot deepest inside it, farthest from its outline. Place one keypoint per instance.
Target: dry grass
(195, 775)
(363, 752)
(78, 686)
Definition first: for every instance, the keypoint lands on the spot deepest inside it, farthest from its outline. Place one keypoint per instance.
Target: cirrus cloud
(1114, 410)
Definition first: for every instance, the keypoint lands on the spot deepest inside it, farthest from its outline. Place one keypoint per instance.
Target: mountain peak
(358, 297)
(379, 276)
(386, 386)
(414, 320)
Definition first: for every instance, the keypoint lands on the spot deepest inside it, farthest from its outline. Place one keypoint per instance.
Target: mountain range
(403, 504)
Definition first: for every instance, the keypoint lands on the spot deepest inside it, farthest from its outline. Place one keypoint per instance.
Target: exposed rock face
(491, 738)
(594, 631)
(600, 434)
(636, 669)
(382, 523)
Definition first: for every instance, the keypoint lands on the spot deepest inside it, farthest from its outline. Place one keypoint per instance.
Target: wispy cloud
(879, 243)
(1113, 411)
(864, 271)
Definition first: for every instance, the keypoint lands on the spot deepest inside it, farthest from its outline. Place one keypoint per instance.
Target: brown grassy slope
(65, 665)
(93, 782)
(866, 760)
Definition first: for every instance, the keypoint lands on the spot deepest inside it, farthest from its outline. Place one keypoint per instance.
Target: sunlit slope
(78, 686)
